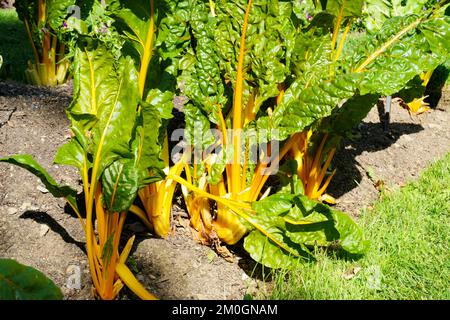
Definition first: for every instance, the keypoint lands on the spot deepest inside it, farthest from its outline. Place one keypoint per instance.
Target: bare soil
(379, 160)
(35, 230)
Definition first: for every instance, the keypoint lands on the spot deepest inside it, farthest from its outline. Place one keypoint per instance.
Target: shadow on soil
(44, 218)
(372, 138)
(436, 86)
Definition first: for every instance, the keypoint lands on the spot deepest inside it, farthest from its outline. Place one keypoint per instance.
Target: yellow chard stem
(261, 176)
(336, 30)
(325, 185)
(90, 249)
(41, 11)
(341, 44)
(223, 128)
(337, 26)
(45, 58)
(250, 112)
(165, 152)
(427, 77)
(148, 50)
(226, 202)
(129, 279)
(394, 39)
(126, 250)
(234, 206)
(212, 7)
(141, 214)
(324, 170)
(237, 111)
(314, 170)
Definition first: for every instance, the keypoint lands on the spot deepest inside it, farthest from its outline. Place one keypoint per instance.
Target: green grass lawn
(409, 257)
(14, 46)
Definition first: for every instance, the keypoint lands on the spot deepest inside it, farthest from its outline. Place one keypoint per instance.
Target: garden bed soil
(35, 230)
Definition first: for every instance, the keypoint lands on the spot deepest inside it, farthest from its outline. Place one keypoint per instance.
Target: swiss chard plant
(44, 20)
(109, 149)
(155, 34)
(254, 69)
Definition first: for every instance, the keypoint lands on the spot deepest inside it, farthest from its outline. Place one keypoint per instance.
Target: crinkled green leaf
(284, 225)
(378, 64)
(112, 133)
(162, 101)
(349, 8)
(303, 106)
(438, 36)
(274, 205)
(347, 117)
(378, 11)
(265, 252)
(351, 237)
(198, 131)
(121, 182)
(19, 282)
(71, 154)
(169, 38)
(268, 243)
(211, 65)
(57, 11)
(313, 223)
(145, 143)
(133, 18)
(400, 62)
(95, 84)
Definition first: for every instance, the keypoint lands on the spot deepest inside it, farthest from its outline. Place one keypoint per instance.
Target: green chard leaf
(274, 205)
(71, 154)
(113, 131)
(121, 182)
(269, 254)
(286, 225)
(95, 84)
(27, 162)
(313, 223)
(344, 8)
(378, 11)
(19, 282)
(57, 11)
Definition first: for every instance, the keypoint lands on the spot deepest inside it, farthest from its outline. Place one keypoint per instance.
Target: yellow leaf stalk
(312, 169)
(107, 266)
(418, 106)
(49, 67)
(157, 199)
(426, 77)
